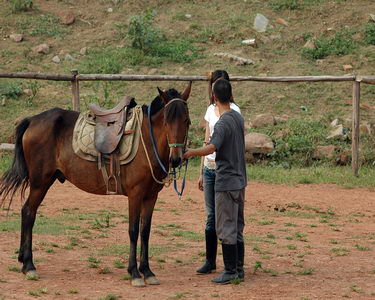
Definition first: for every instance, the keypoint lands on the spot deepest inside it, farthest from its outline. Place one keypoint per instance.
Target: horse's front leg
(146, 217)
(134, 216)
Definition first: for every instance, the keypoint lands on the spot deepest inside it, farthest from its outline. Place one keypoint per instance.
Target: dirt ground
(313, 242)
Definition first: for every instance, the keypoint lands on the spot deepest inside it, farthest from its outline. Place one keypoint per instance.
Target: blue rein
(174, 171)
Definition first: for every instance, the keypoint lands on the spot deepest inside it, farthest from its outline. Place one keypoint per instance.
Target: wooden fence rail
(75, 77)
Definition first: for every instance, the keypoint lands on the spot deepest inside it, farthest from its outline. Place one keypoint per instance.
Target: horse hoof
(32, 275)
(138, 282)
(152, 280)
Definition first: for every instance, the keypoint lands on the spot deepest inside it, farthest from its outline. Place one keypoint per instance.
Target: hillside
(200, 28)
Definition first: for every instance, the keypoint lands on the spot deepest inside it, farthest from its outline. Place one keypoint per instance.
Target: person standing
(229, 144)
(206, 181)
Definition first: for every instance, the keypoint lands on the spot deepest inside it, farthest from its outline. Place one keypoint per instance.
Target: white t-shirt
(212, 118)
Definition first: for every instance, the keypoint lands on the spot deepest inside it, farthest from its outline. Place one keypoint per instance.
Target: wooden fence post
(355, 125)
(75, 91)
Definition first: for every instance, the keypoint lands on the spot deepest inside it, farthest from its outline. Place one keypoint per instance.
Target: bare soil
(317, 219)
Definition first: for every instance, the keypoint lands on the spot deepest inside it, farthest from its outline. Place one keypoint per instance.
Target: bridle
(170, 175)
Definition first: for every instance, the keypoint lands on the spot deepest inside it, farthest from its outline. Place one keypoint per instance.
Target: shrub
(370, 34)
(297, 143)
(21, 5)
(153, 42)
(11, 89)
(142, 33)
(340, 44)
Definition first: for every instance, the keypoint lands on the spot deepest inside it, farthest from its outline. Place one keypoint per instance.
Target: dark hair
(214, 76)
(222, 90)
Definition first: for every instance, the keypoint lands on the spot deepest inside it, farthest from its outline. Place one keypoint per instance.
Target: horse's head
(176, 122)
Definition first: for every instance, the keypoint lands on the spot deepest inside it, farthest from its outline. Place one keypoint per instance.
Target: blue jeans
(209, 197)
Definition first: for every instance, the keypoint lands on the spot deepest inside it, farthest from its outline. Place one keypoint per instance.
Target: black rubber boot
(230, 265)
(211, 250)
(240, 260)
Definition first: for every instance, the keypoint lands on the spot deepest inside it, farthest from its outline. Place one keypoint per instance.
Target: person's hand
(188, 153)
(200, 183)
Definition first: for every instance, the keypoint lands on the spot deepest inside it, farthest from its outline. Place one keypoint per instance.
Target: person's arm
(203, 151)
(206, 138)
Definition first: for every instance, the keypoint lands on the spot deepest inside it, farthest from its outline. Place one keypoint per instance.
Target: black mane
(157, 104)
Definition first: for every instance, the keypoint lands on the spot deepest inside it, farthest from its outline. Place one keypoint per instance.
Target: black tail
(17, 176)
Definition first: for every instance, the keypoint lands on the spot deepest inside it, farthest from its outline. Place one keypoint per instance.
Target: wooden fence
(75, 78)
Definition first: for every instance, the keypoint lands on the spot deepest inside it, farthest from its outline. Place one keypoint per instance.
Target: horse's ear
(185, 94)
(164, 96)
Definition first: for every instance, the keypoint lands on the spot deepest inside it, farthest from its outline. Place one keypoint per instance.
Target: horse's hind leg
(146, 216)
(29, 210)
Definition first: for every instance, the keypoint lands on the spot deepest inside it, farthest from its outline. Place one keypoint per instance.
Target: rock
(83, 51)
(365, 128)
(56, 59)
(7, 147)
(309, 45)
(282, 21)
(249, 157)
(343, 159)
(181, 69)
(3, 101)
(66, 17)
(347, 67)
(322, 152)
(282, 119)
(16, 37)
(319, 61)
(110, 10)
(42, 48)
(258, 143)
(260, 23)
(188, 16)
(251, 42)
(335, 122)
(263, 120)
(68, 57)
(336, 132)
(239, 60)
(274, 37)
(372, 17)
(28, 92)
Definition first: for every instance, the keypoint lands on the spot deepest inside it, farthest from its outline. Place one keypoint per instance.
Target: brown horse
(43, 153)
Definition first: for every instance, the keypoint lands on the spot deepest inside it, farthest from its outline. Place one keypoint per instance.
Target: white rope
(168, 179)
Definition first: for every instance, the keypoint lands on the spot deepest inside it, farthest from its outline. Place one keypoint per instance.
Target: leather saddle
(110, 124)
(109, 128)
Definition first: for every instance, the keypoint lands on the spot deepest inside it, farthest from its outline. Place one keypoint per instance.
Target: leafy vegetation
(370, 34)
(341, 43)
(11, 89)
(21, 5)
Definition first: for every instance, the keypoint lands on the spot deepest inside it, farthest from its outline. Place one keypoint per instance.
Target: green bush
(370, 34)
(153, 42)
(142, 33)
(340, 44)
(21, 5)
(11, 89)
(296, 141)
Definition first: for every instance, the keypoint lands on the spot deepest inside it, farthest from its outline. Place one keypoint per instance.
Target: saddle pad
(84, 132)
